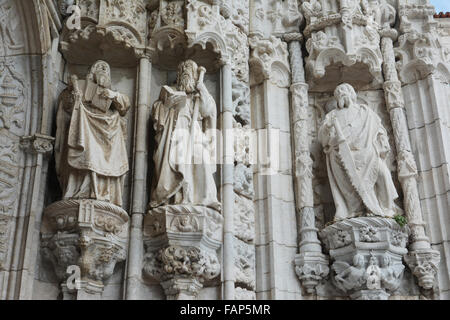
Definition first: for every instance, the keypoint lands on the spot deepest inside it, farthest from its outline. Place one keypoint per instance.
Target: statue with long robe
(90, 149)
(356, 145)
(184, 118)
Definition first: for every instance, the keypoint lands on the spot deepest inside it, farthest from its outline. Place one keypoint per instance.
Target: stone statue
(373, 274)
(182, 118)
(90, 149)
(356, 145)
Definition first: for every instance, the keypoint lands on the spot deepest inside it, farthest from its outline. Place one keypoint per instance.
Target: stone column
(422, 260)
(228, 182)
(276, 232)
(41, 146)
(140, 169)
(311, 264)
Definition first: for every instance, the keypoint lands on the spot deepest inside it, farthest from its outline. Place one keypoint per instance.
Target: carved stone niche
(343, 43)
(167, 41)
(367, 254)
(181, 244)
(189, 30)
(89, 234)
(111, 30)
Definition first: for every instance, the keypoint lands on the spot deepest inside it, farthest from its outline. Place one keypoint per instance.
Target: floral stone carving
(181, 244)
(90, 234)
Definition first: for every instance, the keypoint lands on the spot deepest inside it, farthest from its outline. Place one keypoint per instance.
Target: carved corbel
(88, 234)
(37, 144)
(367, 254)
(181, 270)
(424, 265)
(181, 243)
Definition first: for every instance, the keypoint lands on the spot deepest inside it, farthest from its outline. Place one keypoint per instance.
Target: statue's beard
(186, 83)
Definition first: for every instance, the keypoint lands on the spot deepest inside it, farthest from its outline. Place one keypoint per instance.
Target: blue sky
(441, 5)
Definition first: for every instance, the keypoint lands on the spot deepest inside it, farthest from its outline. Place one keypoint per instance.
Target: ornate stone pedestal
(367, 254)
(88, 234)
(181, 244)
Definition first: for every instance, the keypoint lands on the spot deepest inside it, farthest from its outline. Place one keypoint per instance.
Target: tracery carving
(13, 101)
(10, 41)
(345, 33)
(112, 30)
(269, 60)
(13, 97)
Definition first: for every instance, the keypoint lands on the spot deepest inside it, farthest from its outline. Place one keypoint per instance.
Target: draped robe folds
(367, 140)
(184, 170)
(91, 154)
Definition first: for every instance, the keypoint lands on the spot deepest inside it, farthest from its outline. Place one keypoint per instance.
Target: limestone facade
(224, 149)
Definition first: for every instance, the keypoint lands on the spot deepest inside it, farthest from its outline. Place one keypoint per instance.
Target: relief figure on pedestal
(356, 145)
(184, 118)
(90, 149)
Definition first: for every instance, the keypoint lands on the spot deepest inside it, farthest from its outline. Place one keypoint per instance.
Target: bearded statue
(356, 147)
(90, 149)
(184, 119)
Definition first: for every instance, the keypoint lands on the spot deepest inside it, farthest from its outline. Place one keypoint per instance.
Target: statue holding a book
(184, 119)
(90, 148)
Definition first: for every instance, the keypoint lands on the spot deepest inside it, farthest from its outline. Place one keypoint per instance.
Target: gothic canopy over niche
(332, 185)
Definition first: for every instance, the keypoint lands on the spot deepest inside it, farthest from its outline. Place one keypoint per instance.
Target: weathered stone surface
(99, 198)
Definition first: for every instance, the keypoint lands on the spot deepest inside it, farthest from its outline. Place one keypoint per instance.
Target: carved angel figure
(349, 277)
(183, 118)
(391, 274)
(356, 145)
(90, 148)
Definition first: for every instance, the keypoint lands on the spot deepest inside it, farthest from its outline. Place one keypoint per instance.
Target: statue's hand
(200, 84)
(201, 87)
(109, 94)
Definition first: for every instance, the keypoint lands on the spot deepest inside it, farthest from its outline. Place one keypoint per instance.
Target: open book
(172, 98)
